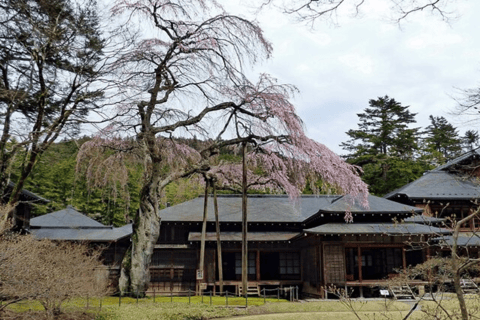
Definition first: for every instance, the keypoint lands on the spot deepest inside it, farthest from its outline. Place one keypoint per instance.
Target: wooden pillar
(204, 229)
(244, 222)
(219, 242)
(257, 265)
(404, 259)
(302, 257)
(359, 259)
(114, 253)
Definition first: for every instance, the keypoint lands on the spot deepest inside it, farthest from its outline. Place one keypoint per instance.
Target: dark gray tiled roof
(261, 208)
(237, 236)
(424, 219)
(438, 185)
(375, 228)
(84, 234)
(465, 156)
(28, 195)
(376, 205)
(462, 241)
(69, 224)
(68, 217)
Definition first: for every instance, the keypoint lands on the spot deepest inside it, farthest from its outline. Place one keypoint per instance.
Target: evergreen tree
(442, 140)
(384, 146)
(51, 62)
(383, 130)
(470, 140)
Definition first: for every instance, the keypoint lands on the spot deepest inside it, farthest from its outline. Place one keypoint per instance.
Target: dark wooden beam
(257, 265)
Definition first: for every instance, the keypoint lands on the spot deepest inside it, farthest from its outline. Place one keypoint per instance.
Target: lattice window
(251, 263)
(289, 263)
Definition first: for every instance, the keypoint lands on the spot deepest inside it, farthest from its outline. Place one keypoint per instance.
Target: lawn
(109, 308)
(271, 310)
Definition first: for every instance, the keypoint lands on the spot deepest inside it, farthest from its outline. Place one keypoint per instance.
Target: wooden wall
(334, 263)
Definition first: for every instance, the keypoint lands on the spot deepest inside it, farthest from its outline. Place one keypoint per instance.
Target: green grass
(180, 309)
(116, 302)
(169, 311)
(312, 310)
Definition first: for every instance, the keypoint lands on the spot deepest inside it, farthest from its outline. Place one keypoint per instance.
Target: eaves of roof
(29, 195)
(251, 236)
(438, 185)
(459, 159)
(84, 234)
(375, 228)
(462, 241)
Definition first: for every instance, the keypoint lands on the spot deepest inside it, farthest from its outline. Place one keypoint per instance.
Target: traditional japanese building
(22, 211)
(448, 193)
(303, 242)
(450, 189)
(71, 225)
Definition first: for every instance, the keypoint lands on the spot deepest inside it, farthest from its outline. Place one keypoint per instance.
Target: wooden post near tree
(244, 223)
(219, 242)
(204, 230)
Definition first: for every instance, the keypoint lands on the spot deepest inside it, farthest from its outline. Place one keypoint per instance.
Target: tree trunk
(457, 270)
(219, 242)
(244, 224)
(135, 274)
(459, 291)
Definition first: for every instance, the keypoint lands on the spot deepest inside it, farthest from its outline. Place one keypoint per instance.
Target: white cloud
(339, 69)
(357, 62)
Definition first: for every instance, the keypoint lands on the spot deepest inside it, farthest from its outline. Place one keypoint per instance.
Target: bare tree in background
(5, 209)
(312, 11)
(49, 272)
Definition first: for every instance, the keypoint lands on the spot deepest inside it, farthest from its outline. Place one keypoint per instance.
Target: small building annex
(303, 243)
(71, 225)
(450, 191)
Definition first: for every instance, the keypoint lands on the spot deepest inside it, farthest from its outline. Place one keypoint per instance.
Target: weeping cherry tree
(188, 79)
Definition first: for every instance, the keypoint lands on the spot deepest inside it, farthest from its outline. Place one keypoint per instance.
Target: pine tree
(442, 139)
(383, 130)
(384, 145)
(470, 140)
(51, 62)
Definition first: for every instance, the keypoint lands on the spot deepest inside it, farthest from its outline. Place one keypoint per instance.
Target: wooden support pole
(219, 242)
(204, 229)
(244, 222)
(359, 259)
(404, 259)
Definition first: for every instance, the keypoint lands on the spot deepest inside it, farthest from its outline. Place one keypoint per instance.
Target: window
(251, 263)
(289, 263)
(179, 259)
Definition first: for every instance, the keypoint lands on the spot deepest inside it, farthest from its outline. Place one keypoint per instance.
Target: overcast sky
(338, 69)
